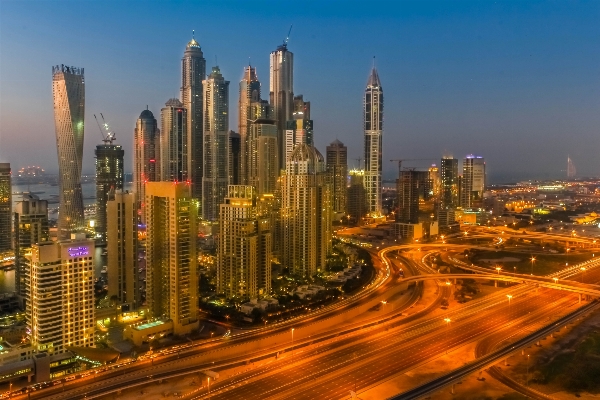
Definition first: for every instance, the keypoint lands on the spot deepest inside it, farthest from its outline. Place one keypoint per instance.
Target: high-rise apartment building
(434, 180)
(122, 249)
(449, 182)
(244, 255)
(171, 279)
(305, 212)
(109, 176)
(193, 72)
(5, 207)
(235, 158)
(60, 307)
(216, 144)
(473, 184)
(357, 196)
(68, 91)
(281, 94)
(175, 156)
(408, 185)
(373, 127)
(249, 93)
(31, 227)
(337, 175)
(263, 160)
(146, 158)
(299, 129)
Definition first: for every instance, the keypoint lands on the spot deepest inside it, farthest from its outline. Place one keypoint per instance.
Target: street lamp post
(582, 273)
(448, 320)
(532, 261)
(293, 342)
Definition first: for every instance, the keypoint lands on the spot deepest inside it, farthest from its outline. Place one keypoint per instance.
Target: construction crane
(409, 159)
(359, 160)
(287, 38)
(110, 136)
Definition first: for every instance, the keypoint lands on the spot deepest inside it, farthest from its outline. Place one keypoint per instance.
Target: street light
(582, 273)
(498, 269)
(293, 342)
(509, 297)
(532, 261)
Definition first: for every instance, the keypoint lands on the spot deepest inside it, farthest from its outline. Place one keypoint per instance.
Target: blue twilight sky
(514, 81)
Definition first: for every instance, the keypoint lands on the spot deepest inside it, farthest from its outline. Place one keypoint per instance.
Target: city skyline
(457, 76)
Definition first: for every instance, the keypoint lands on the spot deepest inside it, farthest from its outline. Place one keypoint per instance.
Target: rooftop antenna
(287, 39)
(193, 34)
(373, 62)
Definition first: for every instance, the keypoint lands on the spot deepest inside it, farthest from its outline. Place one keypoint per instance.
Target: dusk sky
(516, 82)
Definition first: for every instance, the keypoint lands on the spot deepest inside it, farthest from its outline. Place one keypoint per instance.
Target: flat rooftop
(148, 325)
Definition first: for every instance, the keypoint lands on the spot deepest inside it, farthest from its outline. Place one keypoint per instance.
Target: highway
(381, 353)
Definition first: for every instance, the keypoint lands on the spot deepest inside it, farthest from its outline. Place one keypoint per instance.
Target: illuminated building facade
(60, 307)
(5, 207)
(216, 144)
(337, 175)
(473, 184)
(373, 128)
(305, 212)
(281, 95)
(449, 182)
(263, 170)
(172, 281)
(249, 93)
(31, 227)
(357, 196)
(146, 158)
(109, 177)
(175, 157)
(68, 91)
(122, 249)
(193, 72)
(244, 255)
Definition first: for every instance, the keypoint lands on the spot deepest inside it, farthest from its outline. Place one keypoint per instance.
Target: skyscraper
(263, 160)
(5, 207)
(244, 257)
(409, 183)
(146, 159)
(109, 176)
(305, 212)
(172, 283)
(216, 144)
(281, 94)
(122, 249)
(449, 182)
(473, 184)
(249, 93)
(174, 146)
(235, 158)
(337, 175)
(31, 227)
(300, 128)
(68, 90)
(60, 307)
(373, 127)
(357, 195)
(434, 180)
(193, 72)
